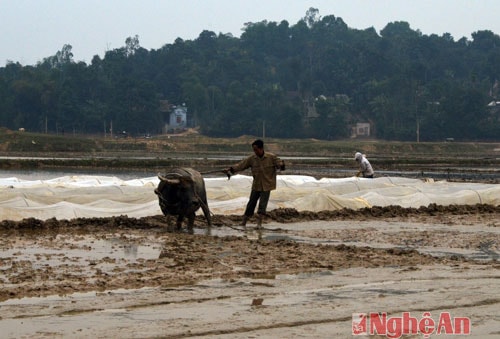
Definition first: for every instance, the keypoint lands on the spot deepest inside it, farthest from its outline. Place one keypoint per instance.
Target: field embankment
(22, 150)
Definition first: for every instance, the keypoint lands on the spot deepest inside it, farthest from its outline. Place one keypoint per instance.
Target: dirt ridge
(281, 215)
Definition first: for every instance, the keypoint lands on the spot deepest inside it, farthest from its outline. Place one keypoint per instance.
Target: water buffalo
(181, 192)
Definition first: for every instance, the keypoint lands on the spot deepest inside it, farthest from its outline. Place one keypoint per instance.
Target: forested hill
(315, 78)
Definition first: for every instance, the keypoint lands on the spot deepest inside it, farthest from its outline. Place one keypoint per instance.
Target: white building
(361, 129)
(178, 117)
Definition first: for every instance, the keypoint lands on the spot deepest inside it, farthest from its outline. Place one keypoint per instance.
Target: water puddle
(83, 251)
(278, 234)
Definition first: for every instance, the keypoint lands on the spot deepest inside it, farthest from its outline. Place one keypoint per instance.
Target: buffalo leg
(179, 221)
(191, 217)
(169, 219)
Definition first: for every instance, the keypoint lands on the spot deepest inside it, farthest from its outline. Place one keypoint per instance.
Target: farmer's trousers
(262, 197)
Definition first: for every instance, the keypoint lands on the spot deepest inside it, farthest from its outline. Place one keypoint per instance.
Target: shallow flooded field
(475, 167)
(139, 278)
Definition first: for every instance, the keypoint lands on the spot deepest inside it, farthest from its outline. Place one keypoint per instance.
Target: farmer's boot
(244, 221)
(259, 220)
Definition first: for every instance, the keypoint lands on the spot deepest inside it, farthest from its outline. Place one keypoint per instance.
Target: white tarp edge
(100, 196)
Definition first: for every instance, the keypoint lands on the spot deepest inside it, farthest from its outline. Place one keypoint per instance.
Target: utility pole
(417, 94)
(418, 130)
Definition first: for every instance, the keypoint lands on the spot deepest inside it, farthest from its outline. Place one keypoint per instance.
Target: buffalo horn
(169, 181)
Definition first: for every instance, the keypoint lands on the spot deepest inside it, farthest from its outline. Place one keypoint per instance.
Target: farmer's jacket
(365, 167)
(263, 170)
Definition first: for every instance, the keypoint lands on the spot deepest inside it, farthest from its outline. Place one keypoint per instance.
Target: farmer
(364, 166)
(264, 166)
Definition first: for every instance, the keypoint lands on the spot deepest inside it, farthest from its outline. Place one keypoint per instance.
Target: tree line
(316, 78)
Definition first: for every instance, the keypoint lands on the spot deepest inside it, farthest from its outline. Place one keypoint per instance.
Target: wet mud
(54, 257)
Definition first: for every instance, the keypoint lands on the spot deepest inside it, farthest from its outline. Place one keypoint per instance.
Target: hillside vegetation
(316, 78)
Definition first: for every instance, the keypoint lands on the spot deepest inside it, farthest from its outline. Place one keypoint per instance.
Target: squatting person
(264, 167)
(365, 168)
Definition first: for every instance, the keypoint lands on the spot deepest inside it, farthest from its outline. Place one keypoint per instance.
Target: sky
(35, 29)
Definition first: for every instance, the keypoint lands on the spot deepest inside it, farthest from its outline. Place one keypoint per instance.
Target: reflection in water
(131, 250)
(54, 173)
(81, 252)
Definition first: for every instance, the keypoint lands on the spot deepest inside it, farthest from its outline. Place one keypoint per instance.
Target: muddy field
(301, 275)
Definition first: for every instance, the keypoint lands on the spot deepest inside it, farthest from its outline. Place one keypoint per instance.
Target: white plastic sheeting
(71, 197)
